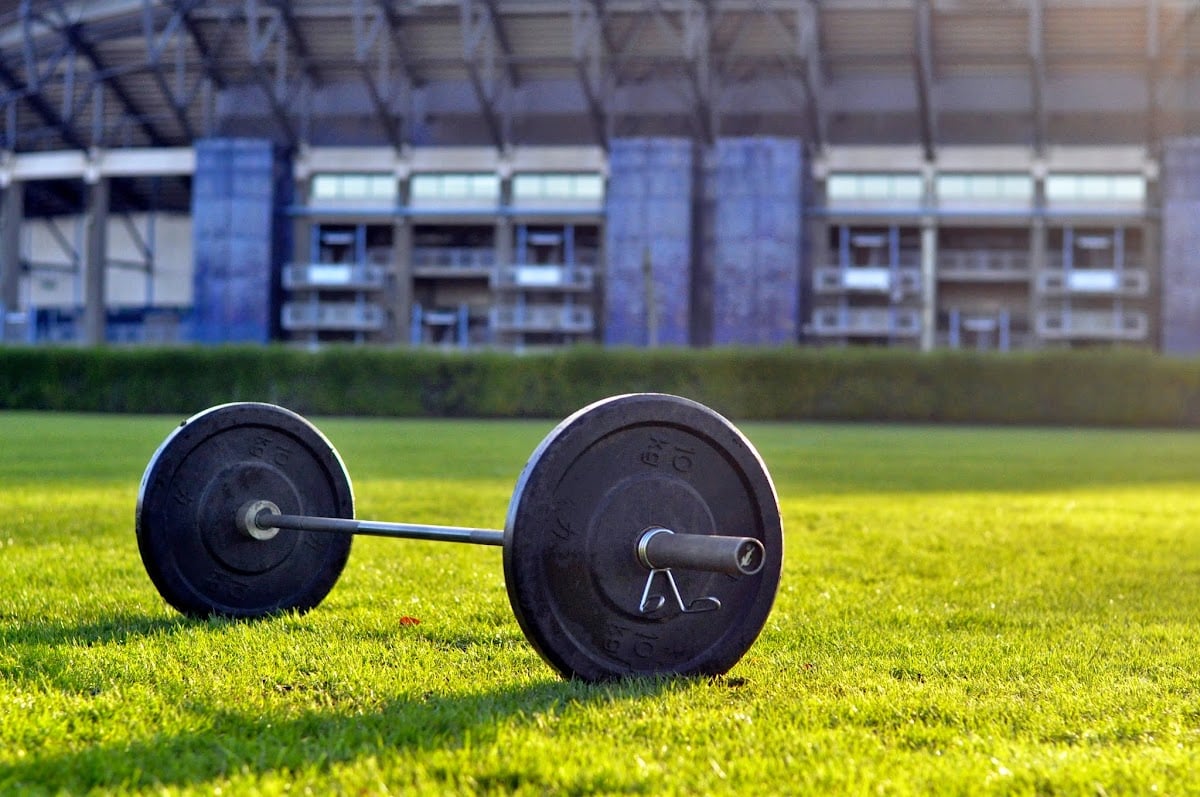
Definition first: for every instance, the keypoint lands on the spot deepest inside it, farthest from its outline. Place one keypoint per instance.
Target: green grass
(963, 610)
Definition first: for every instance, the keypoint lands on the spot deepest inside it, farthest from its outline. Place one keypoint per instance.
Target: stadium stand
(1002, 174)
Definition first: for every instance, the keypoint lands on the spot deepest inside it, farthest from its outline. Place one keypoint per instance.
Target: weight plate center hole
(248, 519)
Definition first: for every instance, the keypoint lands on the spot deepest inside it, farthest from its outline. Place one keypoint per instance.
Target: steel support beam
(600, 8)
(1037, 66)
(65, 245)
(156, 43)
(39, 66)
(589, 53)
(298, 40)
(731, 56)
(368, 37)
(1153, 71)
(266, 31)
(501, 34)
(697, 37)
(207, 61)
(631, 37)
(41, 108)
(800, 61)
(478, 43)
(923, 70)
(808, 18)
(695, 44)
(75, 35)
(395, 25)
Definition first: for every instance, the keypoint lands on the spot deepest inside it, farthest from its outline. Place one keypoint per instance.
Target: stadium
(540, 397)
(999, 174)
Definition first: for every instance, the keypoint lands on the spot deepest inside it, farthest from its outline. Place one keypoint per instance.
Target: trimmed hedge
(1115, 388)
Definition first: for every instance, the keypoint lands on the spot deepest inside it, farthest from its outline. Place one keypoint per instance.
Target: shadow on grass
(278, 740)
(230, 744)
(110, 630)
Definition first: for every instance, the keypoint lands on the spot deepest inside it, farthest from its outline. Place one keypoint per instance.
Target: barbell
(643, 536)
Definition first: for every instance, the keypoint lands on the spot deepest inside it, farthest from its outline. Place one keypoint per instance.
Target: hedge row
(1121, 388)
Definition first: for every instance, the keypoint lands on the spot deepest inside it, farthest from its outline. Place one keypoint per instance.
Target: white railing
(1056, 260)
(982, 263)
(1095, 282)
(334, 276)
(867, 322)
(543, 318)
(333, 316)
(456, 258)
(860, 279)
(1095, 324)
(546, 277)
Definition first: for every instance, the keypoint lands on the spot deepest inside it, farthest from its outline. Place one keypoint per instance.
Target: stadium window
(324, 186)
(953, 186)
(565, 186)
(841, 186)
(557, 186)
(382, 186)
(589, 186)
(455, 186)
(353, 186)
(1096, 187)
(485, 186)
(1129, 188)
(873, 187)
(985, 186)
(1016, 186)
(1061, 186)
(904, 186)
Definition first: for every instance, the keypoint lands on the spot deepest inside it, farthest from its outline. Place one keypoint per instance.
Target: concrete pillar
(1150, 258)
(928, 284)
(12, 211)
(301, 254)
(598, 288)
(402, 270)
(1037, 264)
(504, 244)
(95, 260)
(814, 252)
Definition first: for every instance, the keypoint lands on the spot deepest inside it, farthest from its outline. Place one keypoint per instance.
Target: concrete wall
(56, 282)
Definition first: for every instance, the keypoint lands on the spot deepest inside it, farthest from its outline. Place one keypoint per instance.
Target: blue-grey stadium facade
(1003, 174)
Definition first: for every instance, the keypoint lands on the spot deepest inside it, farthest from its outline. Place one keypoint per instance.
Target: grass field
(962, 610)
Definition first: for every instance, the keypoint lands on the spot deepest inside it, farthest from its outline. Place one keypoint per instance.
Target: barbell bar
(613, 558)
(657, 548)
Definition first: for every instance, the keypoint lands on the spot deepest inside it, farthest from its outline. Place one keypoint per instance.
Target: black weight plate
(206, 470)
(600, 479)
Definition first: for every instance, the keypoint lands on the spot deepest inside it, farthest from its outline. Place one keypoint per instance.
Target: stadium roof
(1036, 73)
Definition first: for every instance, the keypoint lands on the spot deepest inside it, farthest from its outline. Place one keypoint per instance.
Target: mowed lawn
(963, 610)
